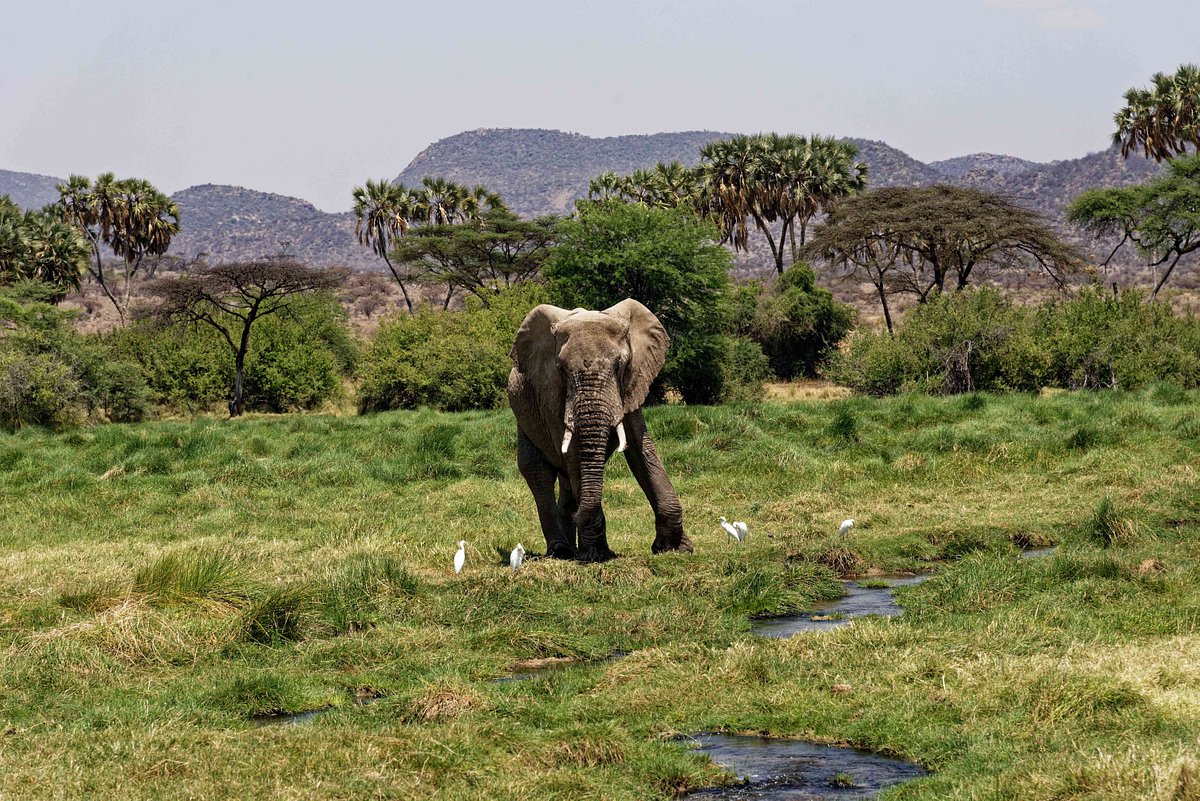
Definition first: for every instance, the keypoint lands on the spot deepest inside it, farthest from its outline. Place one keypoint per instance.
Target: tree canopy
(921, 240)
(771, 183)
(1160, 218)
(40, 246)
(230, 298)
(482, 256)
(1162, 120)
(130, 216)
(387, 211)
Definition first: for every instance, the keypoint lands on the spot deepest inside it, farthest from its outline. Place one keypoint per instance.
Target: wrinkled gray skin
(584, 373)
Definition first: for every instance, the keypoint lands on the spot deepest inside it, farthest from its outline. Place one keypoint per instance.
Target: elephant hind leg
(540, 475)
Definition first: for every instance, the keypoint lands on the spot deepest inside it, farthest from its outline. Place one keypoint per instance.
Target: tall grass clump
(363, 591)
(217, 576)
(275, 617)
(1106, 527)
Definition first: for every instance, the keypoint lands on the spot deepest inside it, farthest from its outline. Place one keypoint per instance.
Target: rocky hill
(543, 171)
(961, 166)
(229, 223)
(27, 190)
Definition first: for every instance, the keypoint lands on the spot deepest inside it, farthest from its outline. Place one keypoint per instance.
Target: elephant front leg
(651, 476)
(593, 539)
(540, 475)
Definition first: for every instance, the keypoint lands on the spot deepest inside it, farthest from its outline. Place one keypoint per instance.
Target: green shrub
(978, 340)
(118, 390)
(799, 324)
(667, 259)
(296, 360)
(41, 360)
(450, 360)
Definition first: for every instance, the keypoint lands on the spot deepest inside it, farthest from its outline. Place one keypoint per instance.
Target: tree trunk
(237, 402)
(403, 289)
(887, 314)
(1166, 275)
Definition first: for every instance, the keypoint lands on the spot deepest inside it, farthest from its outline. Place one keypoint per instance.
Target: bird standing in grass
(741, 529)
(460, 558)
(517, 557)
(845, 527)
(735, 530)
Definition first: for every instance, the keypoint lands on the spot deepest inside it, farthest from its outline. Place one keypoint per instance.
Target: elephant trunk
(595, 410)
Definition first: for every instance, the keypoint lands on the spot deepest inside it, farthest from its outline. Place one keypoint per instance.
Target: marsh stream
(780, 769)
(857, 602)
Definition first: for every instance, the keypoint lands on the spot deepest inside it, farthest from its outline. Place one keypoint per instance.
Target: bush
(296, 360)
(118, 390)
(798, 324)
(41, 360)
(977, 340)
(450, 360)
(667, 259)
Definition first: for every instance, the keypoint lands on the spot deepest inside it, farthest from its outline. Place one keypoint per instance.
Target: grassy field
(162, 584)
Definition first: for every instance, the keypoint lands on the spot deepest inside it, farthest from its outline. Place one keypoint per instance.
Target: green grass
(162, 584)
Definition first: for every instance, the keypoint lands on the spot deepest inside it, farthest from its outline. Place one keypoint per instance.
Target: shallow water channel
(780, 769)
(857, 601)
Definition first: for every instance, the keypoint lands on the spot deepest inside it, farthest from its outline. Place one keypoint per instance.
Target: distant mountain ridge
(542, 171)
(29, 190)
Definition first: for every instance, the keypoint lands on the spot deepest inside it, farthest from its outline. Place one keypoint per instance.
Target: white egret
(731, 530)
(845, 527)
(742, 530)
(517, 557)
(460, 558)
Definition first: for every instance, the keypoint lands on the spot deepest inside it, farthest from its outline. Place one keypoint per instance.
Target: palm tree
(58, 254)
(128, 215)
(1162, 121)
(384, 211)
(775, 180)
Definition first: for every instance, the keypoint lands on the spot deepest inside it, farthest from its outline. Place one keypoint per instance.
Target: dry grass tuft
(442, 702)
(841, 560)
(1187, 783)
(588, 750)
(1150, 567)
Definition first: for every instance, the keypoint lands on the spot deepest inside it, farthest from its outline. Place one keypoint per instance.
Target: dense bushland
(450, 360)
(981, 340)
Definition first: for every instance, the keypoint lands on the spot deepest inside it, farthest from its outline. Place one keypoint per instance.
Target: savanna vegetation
(257, 566)
(170, 587)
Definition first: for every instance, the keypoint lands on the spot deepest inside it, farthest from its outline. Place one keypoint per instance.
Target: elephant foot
(595, 555)
(559, 550)
(665, 544)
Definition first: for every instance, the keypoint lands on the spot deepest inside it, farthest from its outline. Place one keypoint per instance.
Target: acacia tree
(922, 240)
(1160, 218)
(482, 257)
(1163, 120)
(39, 245)
(130, 216)
(232, 297)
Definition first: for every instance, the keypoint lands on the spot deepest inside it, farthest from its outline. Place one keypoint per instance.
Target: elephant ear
(648, 343)
(534, 351)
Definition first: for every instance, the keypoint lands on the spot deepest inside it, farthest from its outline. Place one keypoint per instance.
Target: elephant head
(589, 370)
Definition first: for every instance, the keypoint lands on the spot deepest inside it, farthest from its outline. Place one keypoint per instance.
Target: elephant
(576, 389)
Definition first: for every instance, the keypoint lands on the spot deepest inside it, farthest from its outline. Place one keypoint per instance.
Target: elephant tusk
(621, 436)
(566, 440)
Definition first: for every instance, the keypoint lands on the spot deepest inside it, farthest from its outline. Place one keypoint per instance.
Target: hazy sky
(309, 98)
